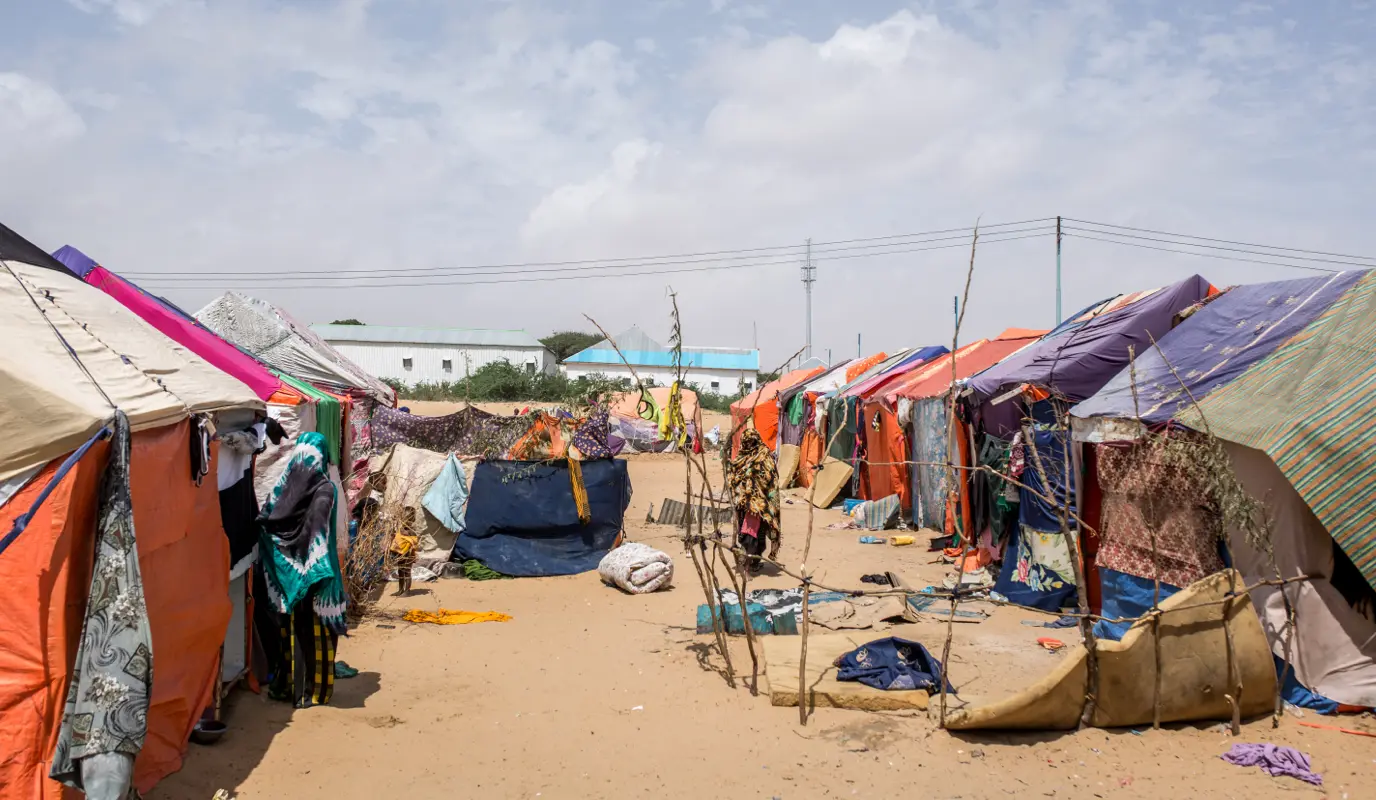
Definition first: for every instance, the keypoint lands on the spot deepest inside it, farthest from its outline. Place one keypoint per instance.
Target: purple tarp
(1077, 363)
(1215, 345)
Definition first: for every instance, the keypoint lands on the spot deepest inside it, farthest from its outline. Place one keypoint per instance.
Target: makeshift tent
(50, 404)
(762, 407)
(72, 356)
(1075, 360)
(274, 337)
(642, 426)
(523, 518)
(1284, 372)
(798, 423)
(890, 413)
(175, 325)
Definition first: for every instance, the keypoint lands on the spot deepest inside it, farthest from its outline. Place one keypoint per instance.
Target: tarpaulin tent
(798, 423)
(72, 356)
(642, 426)
(762, 405)
(1285, 372)
(1075, 360)
(50, 405)
(889, 441)
(274, 337)
(174, 325)
(844, 433)
(523, 519)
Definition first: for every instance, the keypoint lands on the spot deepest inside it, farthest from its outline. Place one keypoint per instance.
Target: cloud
(427, 136)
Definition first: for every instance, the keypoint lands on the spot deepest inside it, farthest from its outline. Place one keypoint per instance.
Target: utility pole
(858, 353)
(1058, 271)
(809, 278)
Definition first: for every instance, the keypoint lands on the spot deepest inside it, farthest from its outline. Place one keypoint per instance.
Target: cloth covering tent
(523, 518)
(798, 417)
(646, 435)
(762, 405)
(175, 325)
(889, 417)
(73, 356)
(1284, 372)
(274, 337)
(49, 406)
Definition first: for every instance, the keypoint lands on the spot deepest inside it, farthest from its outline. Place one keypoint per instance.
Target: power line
(1223, 241)
(633, 261)
(1176, 241)
(708, 268)
(578, 268)
(1202, 255)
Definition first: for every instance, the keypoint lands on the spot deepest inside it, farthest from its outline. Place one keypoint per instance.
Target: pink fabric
(750, 526)
(188, 334)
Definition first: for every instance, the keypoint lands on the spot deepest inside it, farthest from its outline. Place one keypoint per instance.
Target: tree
(761, 378)
(349, 321)
(565, 343)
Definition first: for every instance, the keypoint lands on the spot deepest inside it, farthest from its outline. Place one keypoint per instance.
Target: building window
(716, 386)
(406, 363)
(530, 367)
(447, 365)
(747, 386)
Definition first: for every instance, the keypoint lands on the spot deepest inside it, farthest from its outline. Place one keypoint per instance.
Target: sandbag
(636, 568)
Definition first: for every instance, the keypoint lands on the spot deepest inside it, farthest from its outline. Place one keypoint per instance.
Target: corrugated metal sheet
(470, 337)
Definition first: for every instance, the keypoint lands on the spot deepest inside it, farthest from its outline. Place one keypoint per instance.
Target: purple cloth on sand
(1275, 760)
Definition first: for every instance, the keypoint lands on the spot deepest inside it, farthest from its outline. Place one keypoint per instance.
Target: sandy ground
(591, 693)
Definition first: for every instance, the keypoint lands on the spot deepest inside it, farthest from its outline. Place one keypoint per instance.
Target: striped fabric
(1307, 405)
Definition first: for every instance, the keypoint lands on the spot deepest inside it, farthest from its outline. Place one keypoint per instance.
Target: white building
(432, 355)
(722, 370)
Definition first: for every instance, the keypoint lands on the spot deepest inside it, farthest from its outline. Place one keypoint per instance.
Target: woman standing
(754, 485)
(301, 572)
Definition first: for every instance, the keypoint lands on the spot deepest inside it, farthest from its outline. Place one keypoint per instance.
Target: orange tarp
(45, 577)
(764, 402)
(623, 404)
(861, 367)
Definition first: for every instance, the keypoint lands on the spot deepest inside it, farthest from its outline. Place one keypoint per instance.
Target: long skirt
(299, 650)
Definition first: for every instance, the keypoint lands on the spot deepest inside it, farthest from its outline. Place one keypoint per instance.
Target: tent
(175, 325)
(523, 519)
(274, 337)
(762, 405)
(844, 433)
(798, 423)
(890, 441)
(72, 355)
(647, 433)
(1067, 365)
(1284, 374)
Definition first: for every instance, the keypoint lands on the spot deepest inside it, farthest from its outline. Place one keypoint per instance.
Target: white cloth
(636, 568)
(236, 454)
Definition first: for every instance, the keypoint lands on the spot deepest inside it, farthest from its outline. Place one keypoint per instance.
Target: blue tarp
(522, 519)
(1295, 693)
(1125, 595)
(1078, 361)
(1219, 342)
(448, 495)
(1034, 511)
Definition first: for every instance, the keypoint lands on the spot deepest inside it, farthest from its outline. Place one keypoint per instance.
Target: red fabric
(1090, 512)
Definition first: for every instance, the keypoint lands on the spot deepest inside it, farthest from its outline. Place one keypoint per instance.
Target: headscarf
(754, 481)
(299, 538)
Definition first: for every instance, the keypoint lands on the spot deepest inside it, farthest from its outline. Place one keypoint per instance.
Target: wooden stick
(951, 477)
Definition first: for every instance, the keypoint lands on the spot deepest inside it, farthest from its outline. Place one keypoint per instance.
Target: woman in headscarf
(302, 576)
(754, 485)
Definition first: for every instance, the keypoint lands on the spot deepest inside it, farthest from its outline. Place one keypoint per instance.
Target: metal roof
(470, 337)
(642, 351)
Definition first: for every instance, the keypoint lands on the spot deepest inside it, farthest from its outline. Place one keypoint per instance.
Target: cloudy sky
(392, 160)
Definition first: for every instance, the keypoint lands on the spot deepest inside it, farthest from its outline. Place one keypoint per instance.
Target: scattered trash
(879, 579)
(977, 753)
(1050, 644)
(638, 708)
(871, 540)
(448, 616)
(1136, 732)
(1335, 728)
(1273, 760)
(1294, 710)
(902, 541)
(343, 670)
(1127, 781)
(388, 627)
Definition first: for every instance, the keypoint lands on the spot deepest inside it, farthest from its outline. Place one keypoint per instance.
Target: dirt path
(590, 693)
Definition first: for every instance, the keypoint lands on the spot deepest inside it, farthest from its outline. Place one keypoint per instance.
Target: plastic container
(901, 541)
(872, 540)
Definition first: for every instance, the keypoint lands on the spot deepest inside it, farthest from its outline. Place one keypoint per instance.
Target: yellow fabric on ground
(449, 616)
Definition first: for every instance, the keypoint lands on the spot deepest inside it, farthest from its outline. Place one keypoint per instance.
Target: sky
(391, 161)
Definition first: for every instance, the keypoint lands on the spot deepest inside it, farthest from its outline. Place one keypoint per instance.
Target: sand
(591, 693)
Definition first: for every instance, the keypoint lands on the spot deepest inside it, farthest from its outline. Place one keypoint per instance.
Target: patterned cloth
(305, 558)
(112, 678)
(1144, 495)
(467, 433)
(591, 436)
(304, 673)
(754, 485)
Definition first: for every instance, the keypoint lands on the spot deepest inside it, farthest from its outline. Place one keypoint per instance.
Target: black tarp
(14, 247)
(522, 519)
